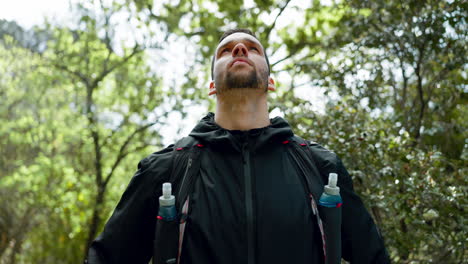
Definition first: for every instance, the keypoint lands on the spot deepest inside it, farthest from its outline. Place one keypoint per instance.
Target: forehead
(239, 37)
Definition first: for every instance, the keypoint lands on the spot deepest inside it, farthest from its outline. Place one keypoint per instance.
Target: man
(248, 203)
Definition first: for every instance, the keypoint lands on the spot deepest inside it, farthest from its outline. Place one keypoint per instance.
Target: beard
(250, 80)
(247, 81)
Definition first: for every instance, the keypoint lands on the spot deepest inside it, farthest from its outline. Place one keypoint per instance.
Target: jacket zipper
(248, 204)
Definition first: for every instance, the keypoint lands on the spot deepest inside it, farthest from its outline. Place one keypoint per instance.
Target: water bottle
(167, 232)
(331, 195)
(167, 209)
(330, 203)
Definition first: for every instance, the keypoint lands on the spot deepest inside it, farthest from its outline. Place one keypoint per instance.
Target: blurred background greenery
(382, 83)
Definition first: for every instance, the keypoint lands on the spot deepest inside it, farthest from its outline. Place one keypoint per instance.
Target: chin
(241, 80)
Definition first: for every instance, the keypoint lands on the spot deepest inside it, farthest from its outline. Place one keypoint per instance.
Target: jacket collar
(208, 132)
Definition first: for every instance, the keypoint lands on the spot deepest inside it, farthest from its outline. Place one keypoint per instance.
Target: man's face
(240, 63)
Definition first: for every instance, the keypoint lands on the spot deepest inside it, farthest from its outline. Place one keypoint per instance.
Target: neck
(242, 109)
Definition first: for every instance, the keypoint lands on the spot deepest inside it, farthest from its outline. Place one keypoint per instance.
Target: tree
(36, 119)
(99, 74)
(78, 118)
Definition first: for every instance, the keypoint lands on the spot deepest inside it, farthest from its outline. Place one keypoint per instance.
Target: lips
(240, 61)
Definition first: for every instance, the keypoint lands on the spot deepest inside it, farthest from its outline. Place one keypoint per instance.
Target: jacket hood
(209, 132)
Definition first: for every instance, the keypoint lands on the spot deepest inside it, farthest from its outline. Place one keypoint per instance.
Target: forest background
(382, 83)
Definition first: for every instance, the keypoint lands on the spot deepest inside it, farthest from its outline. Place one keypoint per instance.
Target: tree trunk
(96, 218)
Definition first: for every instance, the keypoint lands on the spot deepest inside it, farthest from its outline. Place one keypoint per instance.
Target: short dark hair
(238, 30)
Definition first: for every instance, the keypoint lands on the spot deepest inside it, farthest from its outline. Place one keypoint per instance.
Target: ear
(212, 88)
(271, 84)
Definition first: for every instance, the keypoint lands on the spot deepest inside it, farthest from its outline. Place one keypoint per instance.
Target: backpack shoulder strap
(301, 153)
(185, 165)
(186, 151)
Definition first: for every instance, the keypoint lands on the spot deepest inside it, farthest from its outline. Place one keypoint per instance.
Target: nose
(240, 50)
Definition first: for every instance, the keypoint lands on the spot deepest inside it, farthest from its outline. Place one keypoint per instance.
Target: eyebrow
(230, 42)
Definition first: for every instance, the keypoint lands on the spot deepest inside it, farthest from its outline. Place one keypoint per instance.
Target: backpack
(170, 234)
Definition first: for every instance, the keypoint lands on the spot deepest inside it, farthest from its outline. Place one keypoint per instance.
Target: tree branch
(103, 74)
(268, 31)
(420, 92)
(122, 152)
(435, 80)
(114, 131)
(77, 74)
(283, 59)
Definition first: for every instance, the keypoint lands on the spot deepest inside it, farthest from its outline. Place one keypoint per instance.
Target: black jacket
(248, 203)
